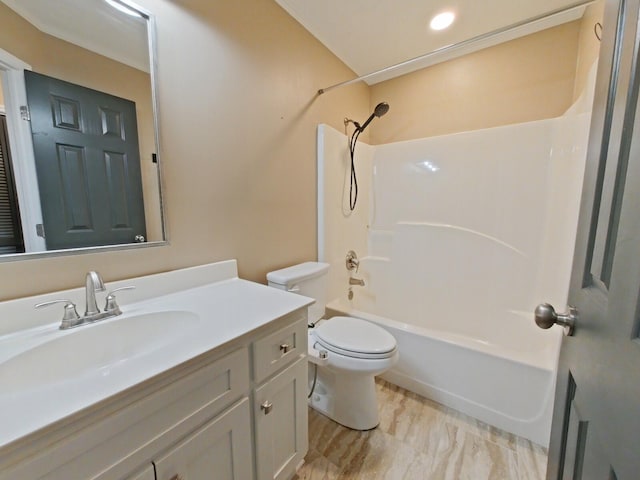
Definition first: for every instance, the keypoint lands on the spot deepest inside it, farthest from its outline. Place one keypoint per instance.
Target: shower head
(379, 111)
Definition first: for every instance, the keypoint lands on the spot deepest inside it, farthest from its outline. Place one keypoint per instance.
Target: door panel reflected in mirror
(78, 149)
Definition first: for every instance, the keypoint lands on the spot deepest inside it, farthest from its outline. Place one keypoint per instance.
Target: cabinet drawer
(278, 349)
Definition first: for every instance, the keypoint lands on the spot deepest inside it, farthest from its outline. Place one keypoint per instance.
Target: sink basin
(95, 349)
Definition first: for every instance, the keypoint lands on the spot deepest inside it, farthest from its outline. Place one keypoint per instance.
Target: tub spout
(356, 281)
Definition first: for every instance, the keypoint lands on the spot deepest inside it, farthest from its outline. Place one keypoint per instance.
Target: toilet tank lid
(297, 273)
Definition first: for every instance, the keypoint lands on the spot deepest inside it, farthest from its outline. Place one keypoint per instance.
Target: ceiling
(102, 28)
(369, 35)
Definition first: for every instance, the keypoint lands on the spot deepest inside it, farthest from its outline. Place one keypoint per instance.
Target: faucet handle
(351, 262)
(111, 304)
(70, 318)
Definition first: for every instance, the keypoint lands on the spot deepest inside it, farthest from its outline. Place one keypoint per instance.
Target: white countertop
(227, 309)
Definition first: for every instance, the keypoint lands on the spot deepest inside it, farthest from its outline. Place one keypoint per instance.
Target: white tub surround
(166, 391)
(339, 229)
(466, 234)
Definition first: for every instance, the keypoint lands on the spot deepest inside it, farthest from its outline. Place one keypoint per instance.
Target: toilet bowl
(345, 353)
(345, 384)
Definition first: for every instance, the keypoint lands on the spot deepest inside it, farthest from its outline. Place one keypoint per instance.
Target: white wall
(465, 222)
(465, 226)
(566, 175)
(339, 229)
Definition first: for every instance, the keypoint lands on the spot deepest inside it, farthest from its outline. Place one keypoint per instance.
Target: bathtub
(505, 378)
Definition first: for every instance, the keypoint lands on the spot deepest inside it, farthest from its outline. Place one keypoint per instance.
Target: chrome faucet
(351, 262)
(356, 281)
(93, 284)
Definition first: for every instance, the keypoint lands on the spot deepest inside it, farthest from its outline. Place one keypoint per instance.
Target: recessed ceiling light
(442, 20)
(123, 8)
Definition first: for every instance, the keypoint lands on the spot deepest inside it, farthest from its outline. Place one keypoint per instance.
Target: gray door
(87, 162)
(596, 424)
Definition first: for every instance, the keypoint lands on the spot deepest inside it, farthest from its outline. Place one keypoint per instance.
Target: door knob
(546, 316)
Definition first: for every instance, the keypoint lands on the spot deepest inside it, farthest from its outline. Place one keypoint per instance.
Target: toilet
(345, 353)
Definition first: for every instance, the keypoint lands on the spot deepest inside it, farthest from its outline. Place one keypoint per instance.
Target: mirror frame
(151, 45)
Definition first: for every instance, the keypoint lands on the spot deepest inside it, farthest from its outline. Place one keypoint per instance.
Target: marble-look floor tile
(321, 430)
(412, 419)
(317, 467)
(483, 430)
(418, 439)
(483, 459)
(532, 460)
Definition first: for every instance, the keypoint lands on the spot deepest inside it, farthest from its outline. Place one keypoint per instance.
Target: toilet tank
(308, 279)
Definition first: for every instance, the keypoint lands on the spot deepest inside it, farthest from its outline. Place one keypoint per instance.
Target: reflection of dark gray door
(596, 425)
(87, 162)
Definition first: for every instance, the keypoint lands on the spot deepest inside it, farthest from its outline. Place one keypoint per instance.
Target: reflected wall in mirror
(78, 137)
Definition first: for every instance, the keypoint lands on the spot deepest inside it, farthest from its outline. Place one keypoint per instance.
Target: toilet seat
(354, 337)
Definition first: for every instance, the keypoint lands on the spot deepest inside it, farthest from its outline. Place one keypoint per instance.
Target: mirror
(79, 166)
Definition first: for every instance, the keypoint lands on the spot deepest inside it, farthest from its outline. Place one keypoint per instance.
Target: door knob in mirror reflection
(546, 316)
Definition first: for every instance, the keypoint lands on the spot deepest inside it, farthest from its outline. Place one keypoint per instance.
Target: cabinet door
(146, 474)
(280, 409)
(221, 450)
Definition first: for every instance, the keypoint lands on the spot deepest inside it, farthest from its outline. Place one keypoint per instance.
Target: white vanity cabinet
(219, 449)
(237, 412)
(280, 412)
(148, 473)
(280, 402)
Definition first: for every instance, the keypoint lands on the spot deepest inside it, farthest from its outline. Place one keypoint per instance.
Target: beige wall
(238, 117)
(526, 79)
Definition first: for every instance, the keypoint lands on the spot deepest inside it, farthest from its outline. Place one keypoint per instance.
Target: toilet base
(349, 399)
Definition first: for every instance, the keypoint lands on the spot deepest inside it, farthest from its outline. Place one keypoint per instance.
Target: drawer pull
(266, 406)
(285, 348)
(177, 476)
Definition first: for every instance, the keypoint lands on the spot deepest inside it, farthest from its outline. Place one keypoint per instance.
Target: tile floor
(418, 439)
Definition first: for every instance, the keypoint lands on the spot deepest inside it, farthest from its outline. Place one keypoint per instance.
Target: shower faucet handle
(352, 263)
